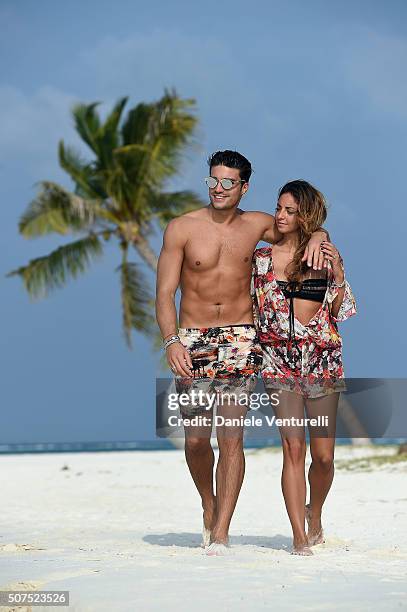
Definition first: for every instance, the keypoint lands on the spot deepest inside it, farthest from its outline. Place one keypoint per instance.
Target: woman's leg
(293, 474)
(321, 472)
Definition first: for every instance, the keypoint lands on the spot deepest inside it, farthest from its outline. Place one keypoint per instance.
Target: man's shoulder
(187, 219)
(198, 213)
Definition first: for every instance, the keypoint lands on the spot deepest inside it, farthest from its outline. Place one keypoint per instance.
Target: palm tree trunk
(146, 252)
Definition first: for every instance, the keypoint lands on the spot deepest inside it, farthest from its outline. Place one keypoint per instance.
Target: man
(208, 252)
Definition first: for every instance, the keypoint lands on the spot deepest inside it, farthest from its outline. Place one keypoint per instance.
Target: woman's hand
(332, 255)
(179, 360)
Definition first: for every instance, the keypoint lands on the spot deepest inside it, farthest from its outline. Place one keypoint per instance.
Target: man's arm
(313, 254)
(168, 277)
(271, 233)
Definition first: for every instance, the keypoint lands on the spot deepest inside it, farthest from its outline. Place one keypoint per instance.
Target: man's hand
(332, 254)
(179, 360)
(313, 254)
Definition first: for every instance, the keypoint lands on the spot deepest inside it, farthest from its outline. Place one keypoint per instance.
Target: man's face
(225, 199)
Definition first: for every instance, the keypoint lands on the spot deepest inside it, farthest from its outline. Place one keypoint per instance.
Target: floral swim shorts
(224, 360)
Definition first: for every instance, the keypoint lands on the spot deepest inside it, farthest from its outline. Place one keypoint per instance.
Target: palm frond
(136, 125)
(87, 182)
(136, 300)
(109, 130)
(108, 138)
(53, 271)
(166, 129)
(124, 182)
(56, 210)
(171, 133)
(87, 124)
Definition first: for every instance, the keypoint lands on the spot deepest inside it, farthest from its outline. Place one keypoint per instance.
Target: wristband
(339, 285)
(170, 341)
(170, 337)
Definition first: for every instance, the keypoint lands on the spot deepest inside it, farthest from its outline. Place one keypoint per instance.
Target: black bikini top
(311, 289)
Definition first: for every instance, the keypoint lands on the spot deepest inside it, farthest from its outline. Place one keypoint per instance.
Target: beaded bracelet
(340, 285)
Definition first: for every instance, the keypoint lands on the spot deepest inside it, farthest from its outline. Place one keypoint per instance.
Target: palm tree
(120, 194)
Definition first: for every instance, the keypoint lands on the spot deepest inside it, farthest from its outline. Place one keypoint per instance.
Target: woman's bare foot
(315, 531)
(301, 547)
(305, 551)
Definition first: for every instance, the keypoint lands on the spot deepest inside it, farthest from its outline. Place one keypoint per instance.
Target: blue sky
(310, 90)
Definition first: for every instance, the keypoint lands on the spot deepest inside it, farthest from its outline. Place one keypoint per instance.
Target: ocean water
(142, 445)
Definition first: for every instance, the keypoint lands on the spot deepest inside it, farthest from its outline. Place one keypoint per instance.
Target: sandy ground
(121, 531)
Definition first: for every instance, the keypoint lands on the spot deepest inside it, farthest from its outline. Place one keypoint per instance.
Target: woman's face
(287, 214)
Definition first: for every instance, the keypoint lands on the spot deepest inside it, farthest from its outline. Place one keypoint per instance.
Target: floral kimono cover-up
(309, 360)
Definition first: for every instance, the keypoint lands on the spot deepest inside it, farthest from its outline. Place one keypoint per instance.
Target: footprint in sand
(332, 543)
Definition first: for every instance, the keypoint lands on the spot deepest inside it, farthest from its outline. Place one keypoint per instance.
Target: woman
(296, 312)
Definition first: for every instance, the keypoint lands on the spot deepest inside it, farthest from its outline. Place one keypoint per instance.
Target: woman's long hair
(312, 213)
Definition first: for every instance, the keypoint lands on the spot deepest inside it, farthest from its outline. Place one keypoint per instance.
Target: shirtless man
(208, 252)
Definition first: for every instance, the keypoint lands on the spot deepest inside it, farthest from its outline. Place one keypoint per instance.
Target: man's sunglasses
(226, 183)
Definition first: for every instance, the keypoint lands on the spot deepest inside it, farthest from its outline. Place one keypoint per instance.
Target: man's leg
(240, 358)
(198, 450)
(230, 470)
(200, 460)
(321, 472)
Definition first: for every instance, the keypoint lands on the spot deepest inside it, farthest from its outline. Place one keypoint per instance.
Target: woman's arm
(341, 297)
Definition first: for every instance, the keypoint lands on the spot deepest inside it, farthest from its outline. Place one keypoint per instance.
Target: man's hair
(232, 159)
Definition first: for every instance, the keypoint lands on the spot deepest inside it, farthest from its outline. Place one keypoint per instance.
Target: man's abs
(223, 301)
(196, 314)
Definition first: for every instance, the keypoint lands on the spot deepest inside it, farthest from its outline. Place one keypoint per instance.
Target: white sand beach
(121, 531)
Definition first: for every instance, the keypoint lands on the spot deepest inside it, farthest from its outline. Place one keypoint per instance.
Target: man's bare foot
(209, 520)
(206, 537)
(218, 549)
(315, 531)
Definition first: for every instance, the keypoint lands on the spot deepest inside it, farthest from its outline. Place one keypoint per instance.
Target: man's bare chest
(208, 250)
